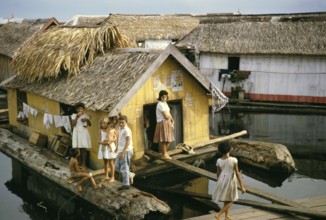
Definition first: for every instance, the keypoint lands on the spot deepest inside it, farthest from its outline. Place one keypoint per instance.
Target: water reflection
(303, 135)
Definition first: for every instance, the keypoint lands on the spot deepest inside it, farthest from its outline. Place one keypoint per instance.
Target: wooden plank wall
(194, 105)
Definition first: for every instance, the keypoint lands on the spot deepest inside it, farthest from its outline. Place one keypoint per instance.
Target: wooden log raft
(128, 204)
(267, 156)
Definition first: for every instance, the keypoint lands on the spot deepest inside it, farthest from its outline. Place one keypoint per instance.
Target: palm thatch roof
(154, 27)
(300, 34)
(111, 80)
(14, 34)
(86, 20)
(64, 50)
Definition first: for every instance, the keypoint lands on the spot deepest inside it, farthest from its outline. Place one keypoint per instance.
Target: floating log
(127, 204)
(267, 156)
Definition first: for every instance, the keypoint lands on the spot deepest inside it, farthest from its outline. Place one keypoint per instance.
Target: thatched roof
(111, 81)
(64, 50)
(14, 34)
(86, 20)
(154, 27)
(279, 34)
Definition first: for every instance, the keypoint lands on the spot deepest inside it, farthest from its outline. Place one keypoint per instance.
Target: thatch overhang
(279, 35)
(65, 50)
(14, 34)
(111, 81)
(154, 27)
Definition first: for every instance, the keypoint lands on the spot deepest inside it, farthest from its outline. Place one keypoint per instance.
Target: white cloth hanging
(33, 111)
(66, 123)
(47, 120)
(25, 109)
(57, 121)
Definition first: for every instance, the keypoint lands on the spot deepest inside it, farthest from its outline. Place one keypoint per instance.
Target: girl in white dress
(80, 135)
(107, 147)
(226, 186)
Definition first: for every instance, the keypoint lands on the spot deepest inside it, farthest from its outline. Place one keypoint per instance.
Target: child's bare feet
(217, 216)
(228, 217)
(167, 157)
(99, 186)
(111, 180)
(106, 179)
(132, 175)
(79, 188)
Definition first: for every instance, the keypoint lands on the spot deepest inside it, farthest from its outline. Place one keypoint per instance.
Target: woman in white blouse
(164, 131)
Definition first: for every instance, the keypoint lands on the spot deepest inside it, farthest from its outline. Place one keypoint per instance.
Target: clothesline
(48, 119)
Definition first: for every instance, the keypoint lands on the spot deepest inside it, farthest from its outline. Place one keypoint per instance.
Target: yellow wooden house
(125, 81)
(55, 73)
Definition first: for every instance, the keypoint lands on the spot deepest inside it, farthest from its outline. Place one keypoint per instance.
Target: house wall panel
(195, 109)
(272, 78)
(5, 68)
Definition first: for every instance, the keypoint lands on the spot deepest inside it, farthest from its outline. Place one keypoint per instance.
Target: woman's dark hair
(80, 104)
(162, 93)
(123, 118)
(224, 147)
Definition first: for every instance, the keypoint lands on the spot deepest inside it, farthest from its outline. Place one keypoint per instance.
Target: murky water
(304, 135)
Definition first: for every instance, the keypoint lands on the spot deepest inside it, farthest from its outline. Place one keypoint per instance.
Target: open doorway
(150, 124)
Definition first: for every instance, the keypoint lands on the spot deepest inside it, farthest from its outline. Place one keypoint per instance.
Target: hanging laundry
(66, 123)
(47, 120)
(57, 121)
(21, 115)
(25, 109)
(33, 111)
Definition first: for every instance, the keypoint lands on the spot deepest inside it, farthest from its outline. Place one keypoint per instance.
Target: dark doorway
(234, 63)
(150, 124)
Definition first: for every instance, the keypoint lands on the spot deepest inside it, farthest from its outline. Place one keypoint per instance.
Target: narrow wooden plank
(160, 166)
(184, 166)
(279, 208)
(3, 110)
(210, 142)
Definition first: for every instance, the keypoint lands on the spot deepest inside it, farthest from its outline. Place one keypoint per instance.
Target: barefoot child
(226, 186)
(77, 171)
(107, 147)
(125, 151)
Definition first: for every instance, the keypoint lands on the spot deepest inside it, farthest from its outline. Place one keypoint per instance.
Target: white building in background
(285, 55)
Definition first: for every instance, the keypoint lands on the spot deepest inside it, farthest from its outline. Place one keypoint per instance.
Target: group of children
(115, 148)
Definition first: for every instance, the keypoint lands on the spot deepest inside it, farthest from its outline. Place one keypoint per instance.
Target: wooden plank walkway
(212, 176)
(292, 206)
(316, 203)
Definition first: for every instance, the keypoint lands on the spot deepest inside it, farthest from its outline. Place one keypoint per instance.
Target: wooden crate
(38, 139)
(61, 149)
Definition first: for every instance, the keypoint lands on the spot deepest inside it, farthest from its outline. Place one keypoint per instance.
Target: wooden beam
(210, 142)
(3, 110)
(302, 210)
